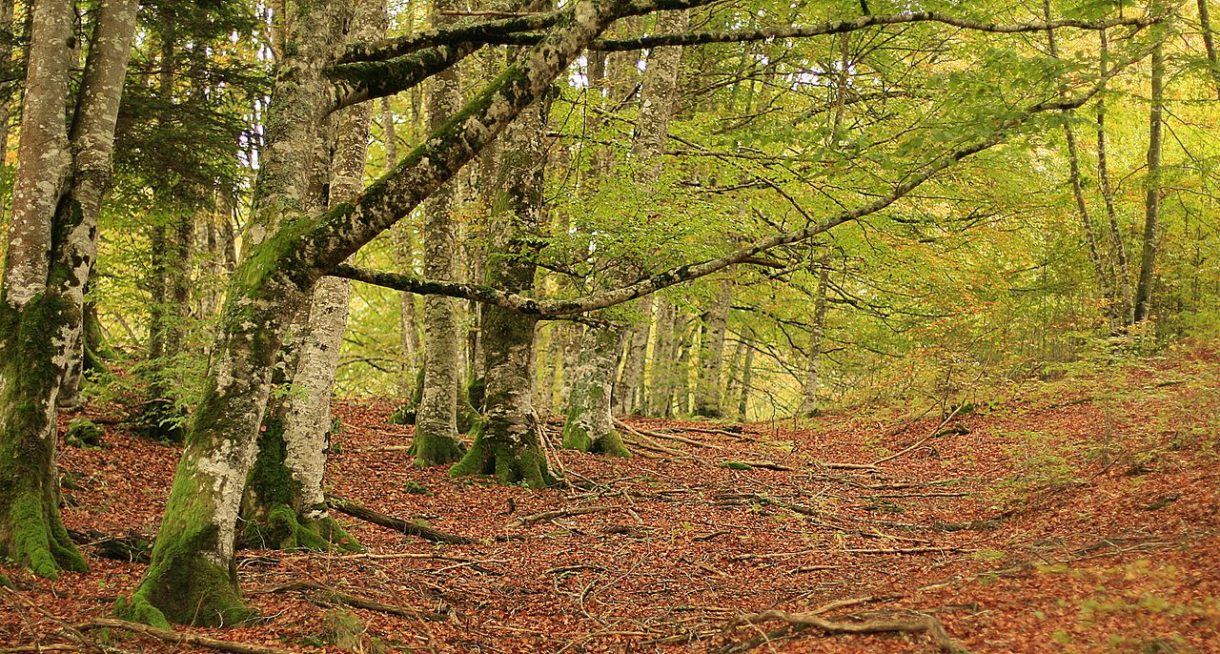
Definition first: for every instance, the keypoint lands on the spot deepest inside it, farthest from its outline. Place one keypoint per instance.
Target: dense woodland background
(501, 231)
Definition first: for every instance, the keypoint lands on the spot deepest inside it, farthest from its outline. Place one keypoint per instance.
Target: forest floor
(1078, 515)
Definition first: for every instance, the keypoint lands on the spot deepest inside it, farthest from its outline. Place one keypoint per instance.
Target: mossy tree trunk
(191, 576)
(711, 353)
(436, 425)
(285, 504)
(62, 178)
(589, 426)
(507, 441)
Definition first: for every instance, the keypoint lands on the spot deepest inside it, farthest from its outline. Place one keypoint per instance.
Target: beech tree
(64, 169)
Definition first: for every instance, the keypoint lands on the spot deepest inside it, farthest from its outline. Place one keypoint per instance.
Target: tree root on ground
(180, 637)
(390, 522)
(321, 594)
(797, 622)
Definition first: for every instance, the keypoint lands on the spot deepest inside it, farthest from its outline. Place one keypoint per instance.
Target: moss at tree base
(283, 529)
(523, 465)
(576, 437)
(38, 540)
(435, 450)
(184, 587)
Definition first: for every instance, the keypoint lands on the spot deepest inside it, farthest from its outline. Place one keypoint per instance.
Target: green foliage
(415, 488)
(1045, 463)
(83, 432)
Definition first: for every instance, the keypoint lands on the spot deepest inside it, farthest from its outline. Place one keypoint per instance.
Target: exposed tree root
(800, 621)
(390, 522)
(180, 637)
(132, 548)
(559, 513)
(325, 594)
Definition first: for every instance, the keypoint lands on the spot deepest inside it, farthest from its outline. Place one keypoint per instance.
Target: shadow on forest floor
(1078, 515)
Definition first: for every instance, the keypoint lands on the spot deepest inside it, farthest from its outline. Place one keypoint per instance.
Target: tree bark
(662, 360)
(436, 427)
(1209, 43)
(286, 506)
(1152, 193)
(61, 181)
(747, 383)
(711, 354)
(589, 426)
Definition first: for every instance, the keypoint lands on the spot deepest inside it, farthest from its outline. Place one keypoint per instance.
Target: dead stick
(921, 441)
(559, 513)
(926, 624)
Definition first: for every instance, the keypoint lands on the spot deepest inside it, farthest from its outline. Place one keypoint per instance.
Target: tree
(436, 423)
(1152, 188)
(506, 441)
(285, 504)
(63, 175)
(191, 576)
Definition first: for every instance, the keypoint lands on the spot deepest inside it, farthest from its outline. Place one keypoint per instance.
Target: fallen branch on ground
(935, 432)
(661, 435)
(181, 637)
(132, 548)
(751, 465)
(390, 522)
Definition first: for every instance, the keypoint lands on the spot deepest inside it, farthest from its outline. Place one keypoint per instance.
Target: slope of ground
(1079, 515)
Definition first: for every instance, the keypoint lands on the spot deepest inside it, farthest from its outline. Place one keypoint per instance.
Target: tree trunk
(1117, 243)
(1209, 43)
(662, 361)
(507, 442)
(747, 382)
(436, 426)
(589, 426)
(1082, 210)
(1152, 184)
(809, 401)
(631, 386)
(405, 246)
(684, 345)
(711, 354)
(61, 181)
(286, 505)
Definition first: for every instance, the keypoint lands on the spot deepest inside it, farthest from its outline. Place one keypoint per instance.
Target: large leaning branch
(521, 30)
(692, 271)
